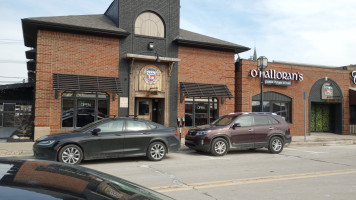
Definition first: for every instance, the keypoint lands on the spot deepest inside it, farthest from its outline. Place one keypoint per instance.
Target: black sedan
(109, 138)
(45, 180)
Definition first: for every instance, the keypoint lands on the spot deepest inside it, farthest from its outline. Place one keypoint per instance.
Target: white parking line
(216, 158)
(314, 152)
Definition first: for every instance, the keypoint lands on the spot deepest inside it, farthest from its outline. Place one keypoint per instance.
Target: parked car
(240, 131)
(109, 138)
(45, 180)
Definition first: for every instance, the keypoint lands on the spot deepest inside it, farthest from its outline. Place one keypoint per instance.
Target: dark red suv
(240, 131)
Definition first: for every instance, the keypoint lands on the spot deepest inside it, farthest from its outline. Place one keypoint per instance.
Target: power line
(22, 81)
(13, 61)
(11, 77)
(10, 41)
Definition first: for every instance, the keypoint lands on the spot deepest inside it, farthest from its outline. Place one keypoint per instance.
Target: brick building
(132, 60)
(329, 95)
(135, 60)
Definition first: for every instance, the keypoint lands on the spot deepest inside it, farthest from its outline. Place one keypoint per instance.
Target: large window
(82, 108)
(276, 103)
(200, 111)
(149, 24)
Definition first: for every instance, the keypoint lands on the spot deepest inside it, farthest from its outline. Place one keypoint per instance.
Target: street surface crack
(174, 179)
(316, 160)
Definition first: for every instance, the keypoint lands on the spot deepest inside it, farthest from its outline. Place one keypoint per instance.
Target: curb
(28, 153)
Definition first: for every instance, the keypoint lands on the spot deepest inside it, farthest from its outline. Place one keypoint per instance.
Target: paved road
(297, 173)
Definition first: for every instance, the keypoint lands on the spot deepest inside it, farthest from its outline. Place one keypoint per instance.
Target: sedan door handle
(271, 128)
(118, 134)
(250, 130)
(146, 133)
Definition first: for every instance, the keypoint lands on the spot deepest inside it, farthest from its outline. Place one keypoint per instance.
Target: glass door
(85, 111)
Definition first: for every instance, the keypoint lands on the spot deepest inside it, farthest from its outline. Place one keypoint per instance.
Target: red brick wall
(207, 66)
(247, 87)
(70, 54)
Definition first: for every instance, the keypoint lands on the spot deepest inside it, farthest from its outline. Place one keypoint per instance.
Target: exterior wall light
(157, 58)
(151, 46)
(262, 63)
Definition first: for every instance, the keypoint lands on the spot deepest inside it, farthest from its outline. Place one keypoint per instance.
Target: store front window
(276, 103)
(82, 108)
(200, 111)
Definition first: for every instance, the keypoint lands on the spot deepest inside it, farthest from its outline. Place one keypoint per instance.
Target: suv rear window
(265, 120)
(261, 120)
(273, 120)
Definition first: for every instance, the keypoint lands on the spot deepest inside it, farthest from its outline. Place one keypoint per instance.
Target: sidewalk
(24, 149)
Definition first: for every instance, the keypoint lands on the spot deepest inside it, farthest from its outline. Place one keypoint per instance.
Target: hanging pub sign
(151, 75)
(327, 91)
(150, 79)
(273, 77)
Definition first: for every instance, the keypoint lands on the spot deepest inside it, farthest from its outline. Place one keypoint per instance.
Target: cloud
(315, 32)
(12, 55)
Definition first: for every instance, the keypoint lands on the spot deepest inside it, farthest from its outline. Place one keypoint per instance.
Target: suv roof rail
(245, 113)
(265, 113)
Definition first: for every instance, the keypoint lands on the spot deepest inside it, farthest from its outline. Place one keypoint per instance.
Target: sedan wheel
(71, 154)
(276, 145)
(219, 147)
(156, 151)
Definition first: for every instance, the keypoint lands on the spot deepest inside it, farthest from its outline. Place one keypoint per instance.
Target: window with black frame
(82, 108)
(276, 103)
(280, 108)
(1, 114)
(200, 111)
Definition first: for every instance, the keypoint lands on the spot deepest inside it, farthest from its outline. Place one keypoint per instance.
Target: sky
(317, 32)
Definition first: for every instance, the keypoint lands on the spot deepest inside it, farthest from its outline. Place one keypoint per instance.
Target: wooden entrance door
(144, 108)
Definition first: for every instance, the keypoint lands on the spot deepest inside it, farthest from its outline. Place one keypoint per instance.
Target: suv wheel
(275, 145)
(219, 147)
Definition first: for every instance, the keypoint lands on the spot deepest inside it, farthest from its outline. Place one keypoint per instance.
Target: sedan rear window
(136, 126)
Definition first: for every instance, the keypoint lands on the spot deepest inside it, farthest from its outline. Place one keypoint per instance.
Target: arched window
(149, 24)
(274, 102)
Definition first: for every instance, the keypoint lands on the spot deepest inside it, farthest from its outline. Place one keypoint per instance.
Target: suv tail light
(288, 127)
(176, 134)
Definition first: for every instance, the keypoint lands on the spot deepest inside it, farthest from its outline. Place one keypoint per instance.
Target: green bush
(312, 118)
(320, 118)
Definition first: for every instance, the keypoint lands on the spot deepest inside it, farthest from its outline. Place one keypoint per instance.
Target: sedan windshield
(224, 120)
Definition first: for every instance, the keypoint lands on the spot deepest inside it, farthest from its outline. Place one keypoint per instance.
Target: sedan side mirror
(236, 125)
(96, 131)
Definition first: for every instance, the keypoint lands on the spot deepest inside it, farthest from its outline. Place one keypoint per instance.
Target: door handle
(271, 128)
(250, 130)
(146, 133)
(118, 134)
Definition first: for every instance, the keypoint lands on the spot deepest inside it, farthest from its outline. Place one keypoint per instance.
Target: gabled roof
(85, 24)
(188, 38)
(103, 26)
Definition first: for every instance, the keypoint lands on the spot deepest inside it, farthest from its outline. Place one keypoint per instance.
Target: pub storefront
(327, 93)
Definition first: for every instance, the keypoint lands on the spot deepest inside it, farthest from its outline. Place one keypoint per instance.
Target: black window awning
(86, 83)
(203, 90)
